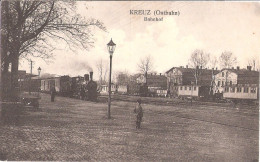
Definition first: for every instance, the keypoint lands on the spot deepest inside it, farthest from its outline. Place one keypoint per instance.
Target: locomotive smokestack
(86, 77)
(91, 75)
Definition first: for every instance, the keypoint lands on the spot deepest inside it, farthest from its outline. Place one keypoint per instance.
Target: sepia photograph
(129, 81)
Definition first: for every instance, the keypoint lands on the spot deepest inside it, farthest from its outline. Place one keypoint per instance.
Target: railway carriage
(61, 84)
(194, 91)
(161, 92)
(241, 93)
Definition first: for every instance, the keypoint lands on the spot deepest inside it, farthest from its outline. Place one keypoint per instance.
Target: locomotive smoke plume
(82, 66)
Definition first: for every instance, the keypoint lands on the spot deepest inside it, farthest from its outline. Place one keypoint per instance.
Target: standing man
(53, 93)
(139, 114)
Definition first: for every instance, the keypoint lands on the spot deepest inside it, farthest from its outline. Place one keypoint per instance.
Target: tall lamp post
(111, 48)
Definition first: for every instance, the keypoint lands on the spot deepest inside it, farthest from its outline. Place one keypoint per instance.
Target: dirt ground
(75, 130)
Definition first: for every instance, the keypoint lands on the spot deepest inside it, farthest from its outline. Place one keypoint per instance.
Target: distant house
(122, 89)
(153, 81)
(236, 77)
(178, 76)
(105, 88)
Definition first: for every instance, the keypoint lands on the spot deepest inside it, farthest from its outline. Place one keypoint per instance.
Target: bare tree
(29, 28)
(102, 68)
(213, 62)
(227, 59)
(146, 64)
(199, 58)
(254, 62)
(123, 78)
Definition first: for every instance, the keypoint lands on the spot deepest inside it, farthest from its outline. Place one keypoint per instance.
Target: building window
(226, 74)
(226, 89)
(190, 88)
(222, 83)
(238, 89)
(185, 88)
(245, 89)
(232, 90)
(253, 90)
(195, 88)
(223, 74)
(180, 88)
(230, 82)
(218, 83)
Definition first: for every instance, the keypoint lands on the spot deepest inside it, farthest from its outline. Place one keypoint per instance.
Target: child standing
(139, 114)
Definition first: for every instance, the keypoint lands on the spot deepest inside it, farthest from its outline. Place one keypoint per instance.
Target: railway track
(173, 102)
(202, 106)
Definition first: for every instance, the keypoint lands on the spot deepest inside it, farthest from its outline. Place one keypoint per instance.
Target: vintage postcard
(129, 81)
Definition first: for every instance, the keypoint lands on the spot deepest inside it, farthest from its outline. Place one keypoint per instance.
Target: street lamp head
(111, 47)
(39, 70)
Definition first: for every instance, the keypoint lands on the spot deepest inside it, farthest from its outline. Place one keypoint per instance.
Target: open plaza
(72, 129)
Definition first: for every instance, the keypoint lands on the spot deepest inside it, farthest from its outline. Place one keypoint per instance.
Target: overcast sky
(211, 26)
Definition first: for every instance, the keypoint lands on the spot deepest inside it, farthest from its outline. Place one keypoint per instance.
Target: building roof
(243, 72)
(191, 70)
(23, 74)
(149, 76)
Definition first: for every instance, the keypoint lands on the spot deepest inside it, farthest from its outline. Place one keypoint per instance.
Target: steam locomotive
(78, 87)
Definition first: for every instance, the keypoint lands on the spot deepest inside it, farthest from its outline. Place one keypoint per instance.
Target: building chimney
(249, 68)
(187, 66)
(238, 67)
(91, 75)
(86, 77)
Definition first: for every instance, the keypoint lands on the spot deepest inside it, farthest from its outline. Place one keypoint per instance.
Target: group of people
(138, 109)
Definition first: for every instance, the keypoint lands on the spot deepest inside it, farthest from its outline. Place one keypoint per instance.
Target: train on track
(84, 88)
(241, 93)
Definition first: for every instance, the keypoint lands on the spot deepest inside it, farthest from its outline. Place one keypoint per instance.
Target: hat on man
(139, 100)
